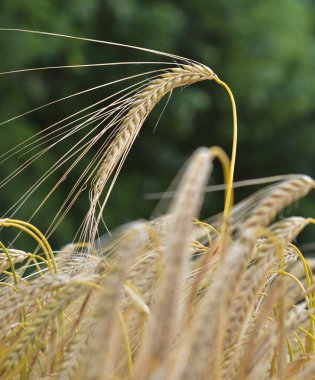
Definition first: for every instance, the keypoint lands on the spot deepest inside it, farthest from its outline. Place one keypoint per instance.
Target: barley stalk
(166, 318)
(255, 277)
(101, 345)
(22, 346)
(27, 296)
(284, 194)
(142, 105)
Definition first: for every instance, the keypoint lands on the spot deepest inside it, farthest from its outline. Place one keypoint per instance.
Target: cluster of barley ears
(230, 297)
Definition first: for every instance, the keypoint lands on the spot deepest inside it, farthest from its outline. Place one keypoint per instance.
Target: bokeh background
(264, 50)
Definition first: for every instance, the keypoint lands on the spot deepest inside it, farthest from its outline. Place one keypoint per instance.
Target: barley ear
(141, 105)
(167, 316)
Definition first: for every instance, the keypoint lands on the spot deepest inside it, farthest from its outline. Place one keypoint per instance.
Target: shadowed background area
(265, 52)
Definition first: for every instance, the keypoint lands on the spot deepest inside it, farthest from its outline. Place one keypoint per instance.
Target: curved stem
(229, 190)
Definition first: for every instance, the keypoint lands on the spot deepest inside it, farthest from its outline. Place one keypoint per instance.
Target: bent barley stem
(219, 153)
(229, 190)
(36, 235)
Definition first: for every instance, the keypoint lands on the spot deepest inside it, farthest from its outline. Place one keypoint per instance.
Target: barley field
(179, 297)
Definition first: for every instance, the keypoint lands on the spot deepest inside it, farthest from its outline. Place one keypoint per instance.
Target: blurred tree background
(264, 50)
